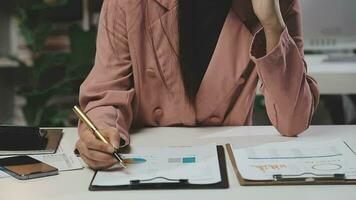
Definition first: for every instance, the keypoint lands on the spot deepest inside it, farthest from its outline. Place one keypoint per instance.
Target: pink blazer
(136, 79)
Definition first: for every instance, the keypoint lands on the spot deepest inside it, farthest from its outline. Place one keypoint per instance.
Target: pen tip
(123, 165)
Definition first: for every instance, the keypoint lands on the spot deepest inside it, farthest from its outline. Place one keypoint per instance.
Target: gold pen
(96, 132)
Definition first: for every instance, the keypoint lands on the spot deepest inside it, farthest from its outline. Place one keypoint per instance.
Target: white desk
(74, 184)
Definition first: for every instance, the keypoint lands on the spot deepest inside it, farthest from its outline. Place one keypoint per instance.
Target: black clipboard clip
(152, 180)
(312, 178)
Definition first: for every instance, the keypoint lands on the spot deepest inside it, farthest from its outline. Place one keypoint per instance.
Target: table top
(74, 184)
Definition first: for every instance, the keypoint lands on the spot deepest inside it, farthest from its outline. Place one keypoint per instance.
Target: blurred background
(47, 48)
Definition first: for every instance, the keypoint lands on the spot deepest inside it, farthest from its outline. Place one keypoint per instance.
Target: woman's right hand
(96, 153)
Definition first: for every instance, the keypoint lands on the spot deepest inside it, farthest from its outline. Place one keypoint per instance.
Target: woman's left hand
(269, 13)
(270, 16)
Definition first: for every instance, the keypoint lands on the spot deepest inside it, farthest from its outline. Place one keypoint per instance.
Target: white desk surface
(74, 184)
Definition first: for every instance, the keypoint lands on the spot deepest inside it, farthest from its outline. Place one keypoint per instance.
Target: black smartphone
(26, 167)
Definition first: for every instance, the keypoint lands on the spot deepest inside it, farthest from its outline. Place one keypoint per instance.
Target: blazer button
(151, 73)
(158, 113)
(215, 120)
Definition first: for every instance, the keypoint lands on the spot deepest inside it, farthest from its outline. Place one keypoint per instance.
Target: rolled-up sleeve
(106, 94)
(291, 95)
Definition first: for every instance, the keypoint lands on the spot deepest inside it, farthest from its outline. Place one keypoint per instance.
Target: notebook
(20, 140)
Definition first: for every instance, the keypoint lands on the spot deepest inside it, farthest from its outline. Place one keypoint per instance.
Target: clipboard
(170, 183)
(298, 179)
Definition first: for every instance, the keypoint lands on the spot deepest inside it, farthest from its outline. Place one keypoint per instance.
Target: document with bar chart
(195, 164)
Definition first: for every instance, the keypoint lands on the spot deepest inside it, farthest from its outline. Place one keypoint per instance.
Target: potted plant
(52, 77)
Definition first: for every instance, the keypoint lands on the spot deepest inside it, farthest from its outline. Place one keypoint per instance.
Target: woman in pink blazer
(194, 63)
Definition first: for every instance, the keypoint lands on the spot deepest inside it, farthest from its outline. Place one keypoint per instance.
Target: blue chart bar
(134, 160)
(189, 160)
(184, 160)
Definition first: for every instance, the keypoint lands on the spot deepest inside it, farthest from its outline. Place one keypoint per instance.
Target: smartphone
(26, 167)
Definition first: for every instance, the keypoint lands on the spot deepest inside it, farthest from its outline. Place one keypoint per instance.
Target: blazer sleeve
(107, 92)
(291, 96)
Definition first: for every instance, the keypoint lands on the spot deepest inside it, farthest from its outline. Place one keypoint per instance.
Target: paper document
(64, 159)
(198, 164)
(300, 159)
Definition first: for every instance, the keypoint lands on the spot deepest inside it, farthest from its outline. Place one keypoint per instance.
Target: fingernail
(110, 149)
(115, 145)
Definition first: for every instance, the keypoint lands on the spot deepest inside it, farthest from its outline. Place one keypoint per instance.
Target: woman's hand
(96, 153)
(269, 14)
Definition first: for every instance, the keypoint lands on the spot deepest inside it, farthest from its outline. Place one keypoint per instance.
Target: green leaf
(27, 34)
(40, 35)
(54, 116)
(47, 4)
(48, 61)
(36, 27)
(82, 47)
(30, 114)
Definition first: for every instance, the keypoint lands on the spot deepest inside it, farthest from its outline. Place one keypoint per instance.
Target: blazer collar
(168, 4)
(242, 8)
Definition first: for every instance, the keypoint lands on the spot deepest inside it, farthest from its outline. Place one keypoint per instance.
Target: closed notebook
(20, 140)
